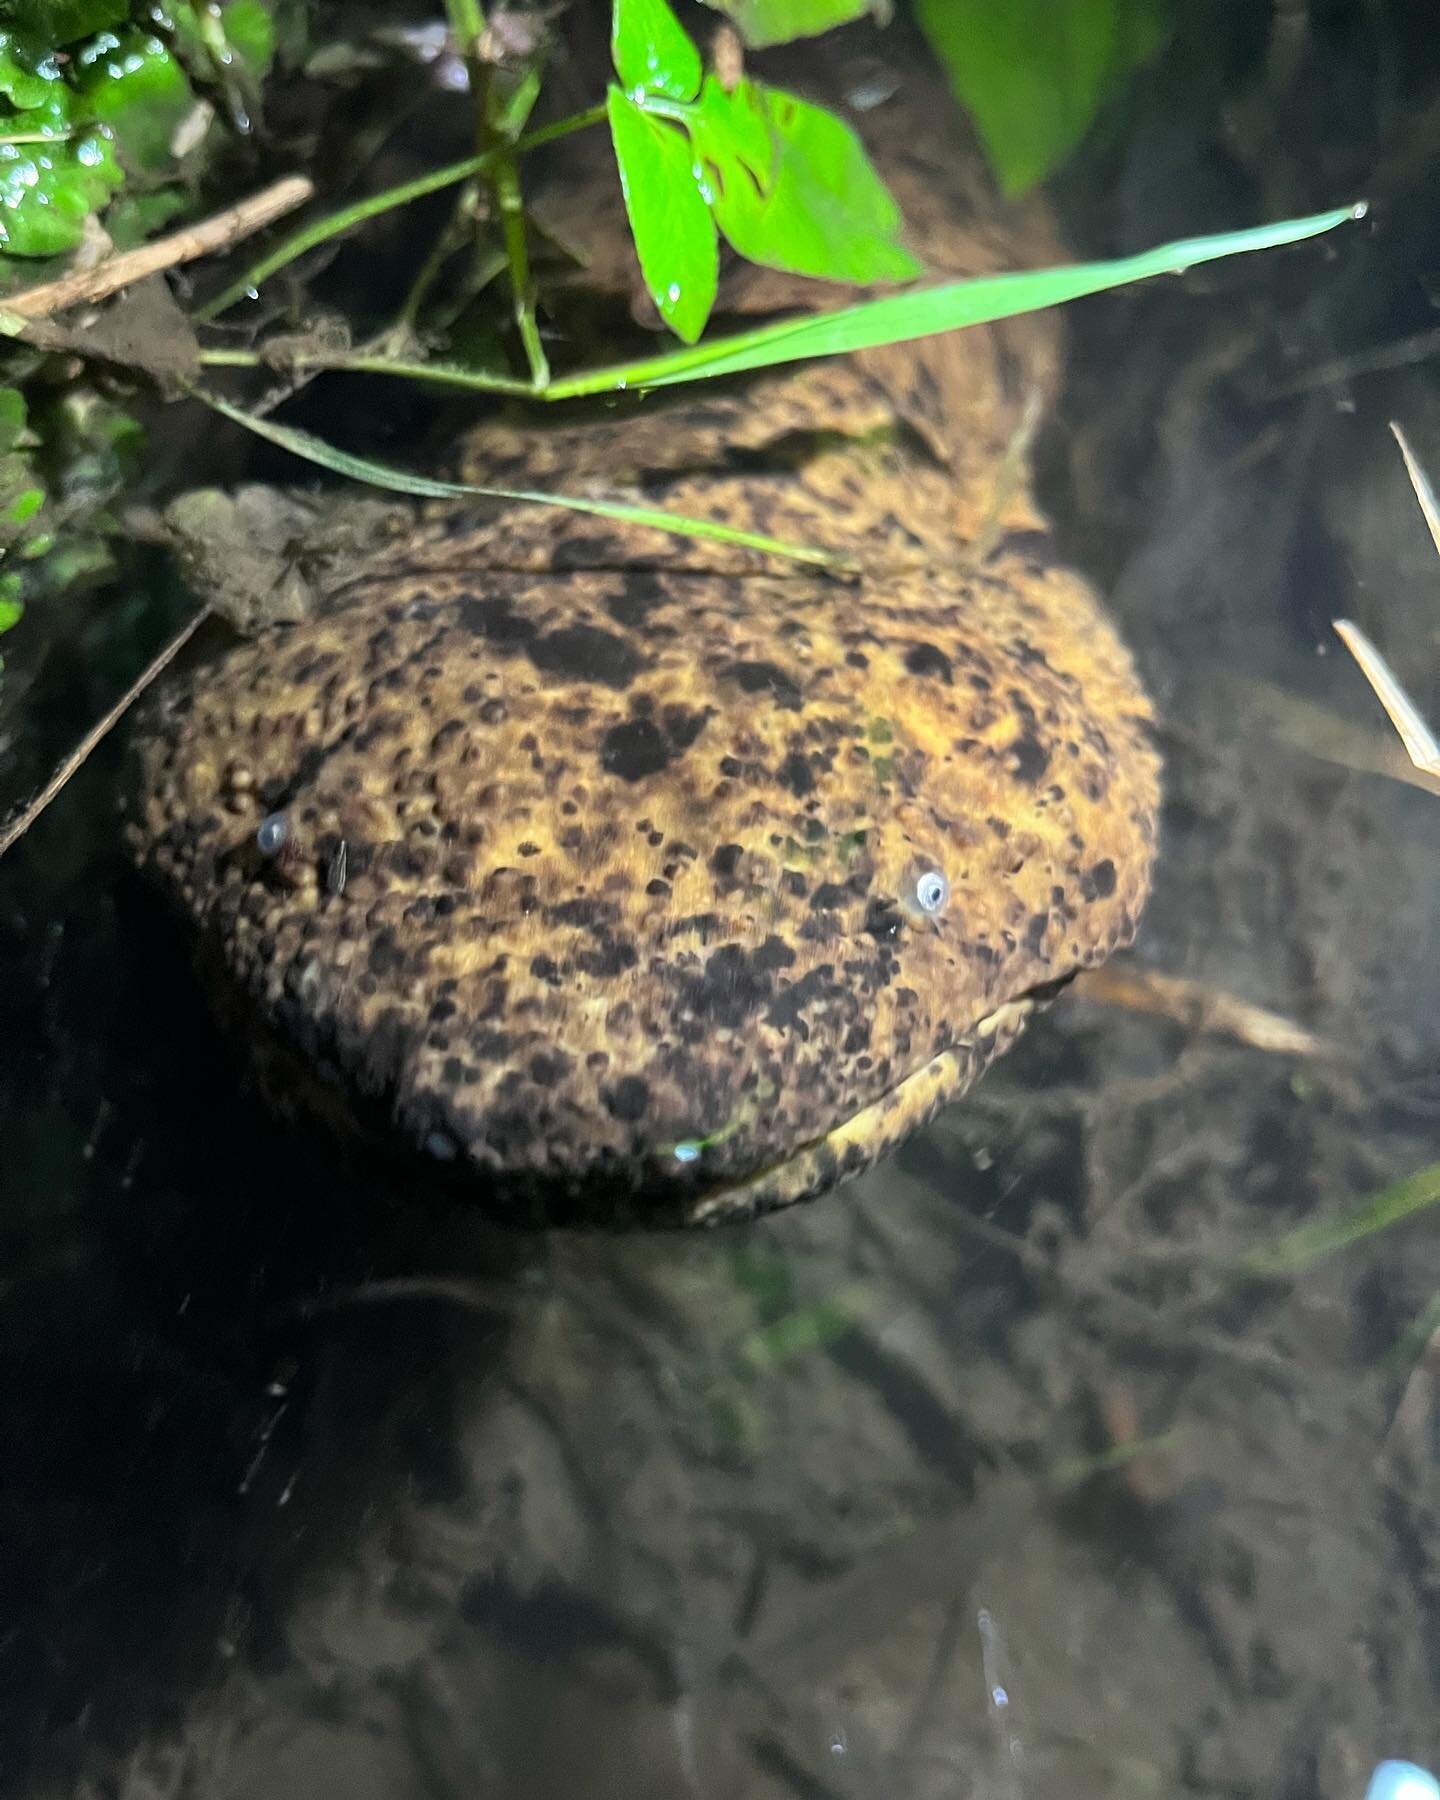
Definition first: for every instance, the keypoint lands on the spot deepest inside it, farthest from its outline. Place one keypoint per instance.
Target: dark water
(980, 1478)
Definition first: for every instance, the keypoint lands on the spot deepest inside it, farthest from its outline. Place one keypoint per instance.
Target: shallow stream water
(986, 1476)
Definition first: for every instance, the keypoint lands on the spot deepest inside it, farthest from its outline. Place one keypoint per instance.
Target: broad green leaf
(762, 22)
(399, 481)
(669, 220)
(133, 84)
(12, 417)
(653, 52)
(1034, 73)
(48, 189)
(250, 32)
(792, 187)
(11, 606)
(63, 21)
(132, 218)
(29, 74)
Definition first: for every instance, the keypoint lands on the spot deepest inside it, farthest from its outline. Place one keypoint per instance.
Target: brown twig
(217, 233)
(26, 817)
(1194, 1004)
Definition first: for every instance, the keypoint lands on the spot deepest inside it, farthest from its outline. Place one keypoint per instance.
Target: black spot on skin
(628, 1100)
(787, 1007)
(658, 889)
(544, 968)
(1031, 758)
(794, 884)
(589, 915)
(729, 990)
(1098, 883)
(883, 921)
(496, 621)
(766, 678)
(586, 653)
(794, 774)
(926, 659)
(682, 727)
(773, 954)
(726, 860)
(549, 1069)
(634, 750)
(830, 896)
(586, 550)
(384, 958)
(1035, 929)
(611, 958)
(642, 590)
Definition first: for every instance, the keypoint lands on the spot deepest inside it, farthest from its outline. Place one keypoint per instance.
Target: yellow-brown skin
(603, 882)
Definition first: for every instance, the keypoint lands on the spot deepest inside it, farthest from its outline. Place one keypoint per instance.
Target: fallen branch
(28, 814)
(204, 239)
(1200, 1007)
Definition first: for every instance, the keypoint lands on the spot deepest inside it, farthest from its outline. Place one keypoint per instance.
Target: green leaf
(133, 84)
(11, 605)
(653, 52)
(29, 74)
(59, 22)
(792, 188)
(399, 481)
(1034, 73)
(132, 218)
(49, 188)
(924, 312)
(22, 507)
(894, 319)
(762, 22)
(12, 417)
(671, 224)
(250, 32)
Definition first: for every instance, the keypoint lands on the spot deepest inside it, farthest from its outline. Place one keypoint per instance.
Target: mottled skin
(603, 879)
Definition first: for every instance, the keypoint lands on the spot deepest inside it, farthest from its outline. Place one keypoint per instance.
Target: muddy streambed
(978, 1478)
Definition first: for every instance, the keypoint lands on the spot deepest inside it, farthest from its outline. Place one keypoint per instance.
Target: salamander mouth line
(1007, 1019)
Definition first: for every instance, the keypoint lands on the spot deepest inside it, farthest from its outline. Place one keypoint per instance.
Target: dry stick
(1197, 1005)
(28, 814)
(217, 233)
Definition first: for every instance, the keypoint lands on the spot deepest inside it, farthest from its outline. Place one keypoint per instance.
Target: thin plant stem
(506, 183)
(362, 363)
(441, 250)
(320, 231)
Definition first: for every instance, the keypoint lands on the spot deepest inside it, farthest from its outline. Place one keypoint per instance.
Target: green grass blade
(925, 312)
(400, 481)
(1298, 1249)
(893, 319)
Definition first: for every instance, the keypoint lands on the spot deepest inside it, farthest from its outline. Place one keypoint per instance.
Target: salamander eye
(273, 835)
(932, 891)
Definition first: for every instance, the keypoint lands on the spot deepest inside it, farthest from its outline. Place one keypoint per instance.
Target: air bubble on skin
(673, 292)
(687, 1153)
(273, 834)
(932, 891)
(441, 1147)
